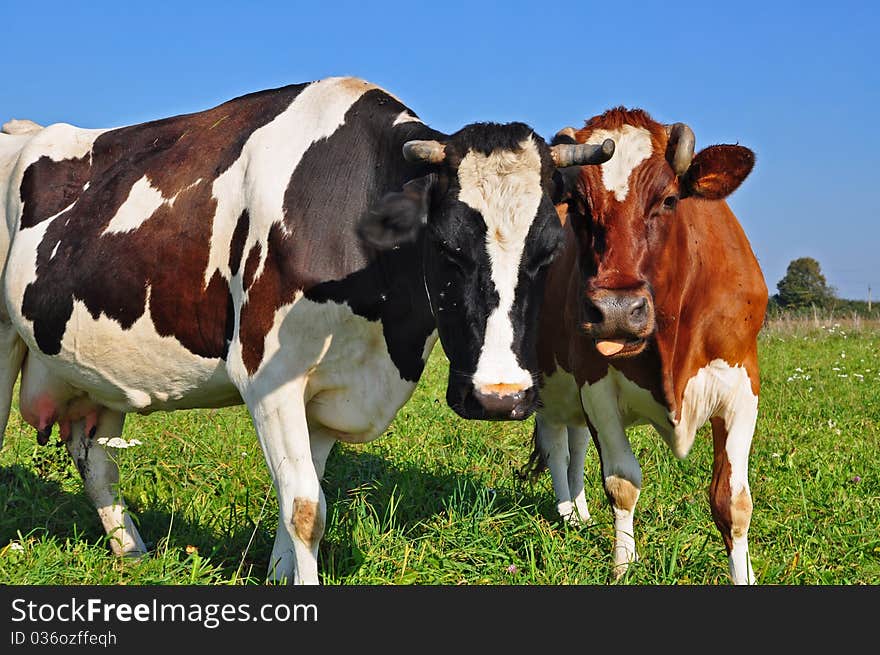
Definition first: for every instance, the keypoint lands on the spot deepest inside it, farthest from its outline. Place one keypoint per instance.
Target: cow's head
(623, 209)
(486, 211)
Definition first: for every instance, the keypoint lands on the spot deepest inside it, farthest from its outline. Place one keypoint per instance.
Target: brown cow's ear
(562, 212)
(566, 184)
(717, 171)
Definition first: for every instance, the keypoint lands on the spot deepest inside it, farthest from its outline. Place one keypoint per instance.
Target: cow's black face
(491, 231)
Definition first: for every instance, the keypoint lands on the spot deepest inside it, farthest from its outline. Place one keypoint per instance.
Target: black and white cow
(296, 249)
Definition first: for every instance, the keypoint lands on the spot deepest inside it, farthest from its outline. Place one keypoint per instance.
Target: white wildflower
(118, 442)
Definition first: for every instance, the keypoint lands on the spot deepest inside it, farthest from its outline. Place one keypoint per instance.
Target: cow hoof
(575, 520)
(619, 571)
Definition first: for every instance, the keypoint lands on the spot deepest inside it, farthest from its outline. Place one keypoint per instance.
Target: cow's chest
(353, 385)
(357, 389)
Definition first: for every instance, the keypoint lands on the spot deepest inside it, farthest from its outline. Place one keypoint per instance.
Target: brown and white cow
(651, 315)
(219, 257)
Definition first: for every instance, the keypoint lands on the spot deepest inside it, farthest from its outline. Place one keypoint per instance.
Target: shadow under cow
(39, 501)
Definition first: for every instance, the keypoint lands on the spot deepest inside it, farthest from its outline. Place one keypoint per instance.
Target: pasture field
(437, 500)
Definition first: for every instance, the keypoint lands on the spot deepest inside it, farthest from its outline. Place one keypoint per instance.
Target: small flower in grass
(856, 478)
(512, 569)
(190, 550)
(16, 547)
(119, 442)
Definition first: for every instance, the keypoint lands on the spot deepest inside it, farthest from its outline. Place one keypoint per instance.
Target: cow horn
(428, 152)
(581, 154)
(680, 147)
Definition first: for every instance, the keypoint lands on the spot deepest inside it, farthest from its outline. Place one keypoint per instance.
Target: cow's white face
(504, 188)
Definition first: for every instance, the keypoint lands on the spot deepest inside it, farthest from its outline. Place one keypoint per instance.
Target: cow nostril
(592, 313)
(638, 308)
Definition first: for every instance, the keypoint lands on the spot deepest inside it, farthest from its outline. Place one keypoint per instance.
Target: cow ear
(717, 171)
(398, 216)
(566, 182)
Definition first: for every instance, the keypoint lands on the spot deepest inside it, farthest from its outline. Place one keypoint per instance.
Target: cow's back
(140, 254)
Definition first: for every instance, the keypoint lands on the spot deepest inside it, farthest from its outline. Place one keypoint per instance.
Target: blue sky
(797, 82)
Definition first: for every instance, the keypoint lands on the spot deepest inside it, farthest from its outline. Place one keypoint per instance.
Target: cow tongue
(610, 347)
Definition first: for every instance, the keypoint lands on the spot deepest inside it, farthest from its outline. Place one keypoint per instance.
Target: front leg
(280, 421)
(729, 494)
(621, 473)
(321, 443)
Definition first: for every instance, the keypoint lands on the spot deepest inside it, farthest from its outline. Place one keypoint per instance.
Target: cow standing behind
(212, 258)
(651, 315)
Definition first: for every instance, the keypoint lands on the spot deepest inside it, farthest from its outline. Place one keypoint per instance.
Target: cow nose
(505, 401)
(627, 312)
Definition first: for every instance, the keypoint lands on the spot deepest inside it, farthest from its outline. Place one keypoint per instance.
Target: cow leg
(100, 476)
(280, 421)
(552, 441)
(578, 440)
(284, 548)
(12, 352)
(621, 473)
(729, 493)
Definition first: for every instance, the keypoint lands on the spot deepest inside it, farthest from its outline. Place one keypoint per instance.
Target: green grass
(436, 500)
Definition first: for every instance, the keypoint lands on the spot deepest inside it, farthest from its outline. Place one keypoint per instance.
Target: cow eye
(541, 260)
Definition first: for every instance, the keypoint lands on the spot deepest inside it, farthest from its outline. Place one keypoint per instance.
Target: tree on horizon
(804, 285)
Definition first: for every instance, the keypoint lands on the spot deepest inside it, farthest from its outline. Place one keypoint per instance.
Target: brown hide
(709, 293)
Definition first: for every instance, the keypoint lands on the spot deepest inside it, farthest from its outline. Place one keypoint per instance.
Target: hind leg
(578, 440)
(552, 442)
(100, 476)
(12, 352)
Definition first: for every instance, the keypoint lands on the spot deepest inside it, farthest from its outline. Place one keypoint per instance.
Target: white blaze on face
(632, 147)
(505, 188)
